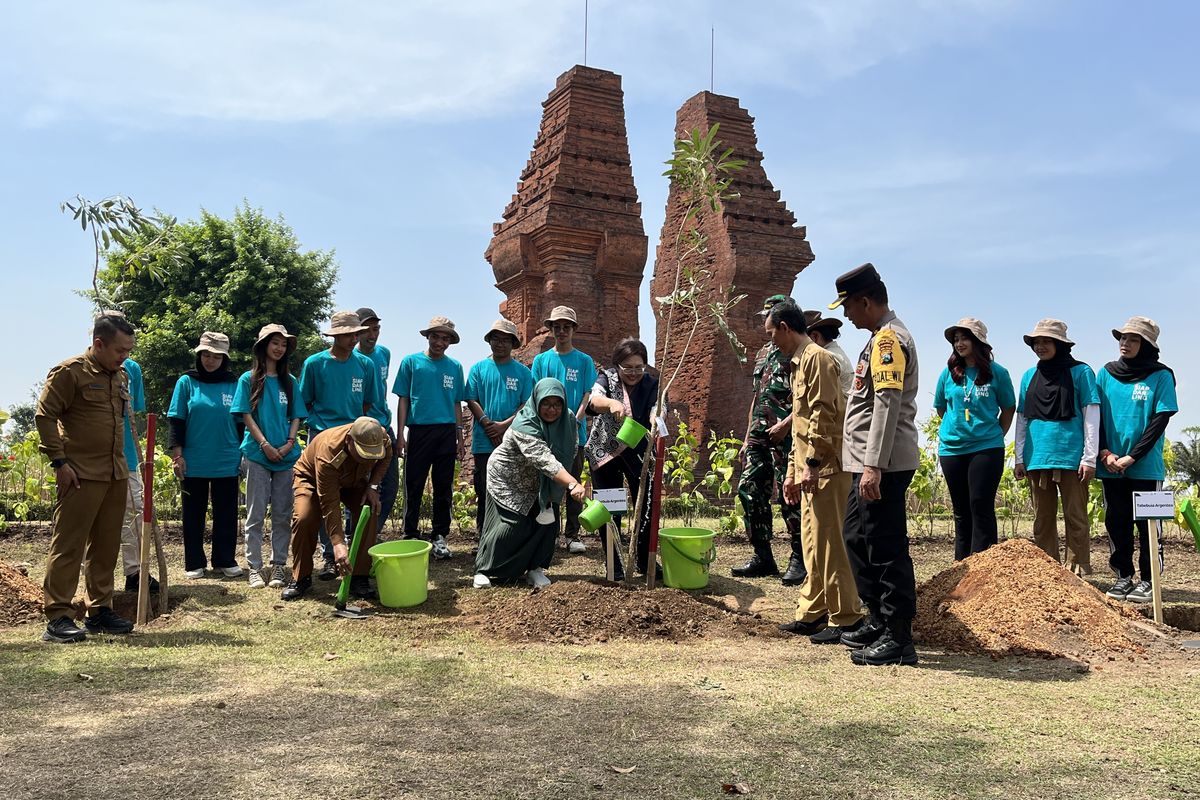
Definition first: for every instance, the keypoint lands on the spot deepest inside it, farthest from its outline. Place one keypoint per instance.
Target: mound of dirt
(576, 612)
(1013, 599)
(20, 598)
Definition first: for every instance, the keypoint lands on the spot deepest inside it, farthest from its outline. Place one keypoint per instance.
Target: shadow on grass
(1029, 670)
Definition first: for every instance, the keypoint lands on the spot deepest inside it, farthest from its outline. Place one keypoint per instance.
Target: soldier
(764, 464)
(81, 421)
(344, 465)
(879, 449)
(824, 331)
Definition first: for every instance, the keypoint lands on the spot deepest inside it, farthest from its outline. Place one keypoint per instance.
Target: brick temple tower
(754, 246)
(573, 233)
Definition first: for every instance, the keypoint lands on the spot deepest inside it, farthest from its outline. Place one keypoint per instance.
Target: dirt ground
(581, 690)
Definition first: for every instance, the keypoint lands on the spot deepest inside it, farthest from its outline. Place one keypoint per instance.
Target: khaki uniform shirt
(881, 413)
(846, 369)
(818, 410)
(326, 466)
(81, 418)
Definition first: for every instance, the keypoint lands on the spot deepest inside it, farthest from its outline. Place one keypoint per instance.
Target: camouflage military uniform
(766, 463)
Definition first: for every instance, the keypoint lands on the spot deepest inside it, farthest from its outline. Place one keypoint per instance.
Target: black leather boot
(296, 589)
(760, 565)
(895, 646)
(796, 573)
(868, 633)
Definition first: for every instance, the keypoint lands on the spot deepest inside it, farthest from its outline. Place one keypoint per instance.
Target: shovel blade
(352, 612)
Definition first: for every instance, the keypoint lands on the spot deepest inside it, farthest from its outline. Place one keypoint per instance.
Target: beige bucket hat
(369, 438)
(442, 325)
(1143, 327)
(267, 331)
(503, 326)
(211, 342)
(1050, 328)
(561, 314)
(344, 322)
(975, 328)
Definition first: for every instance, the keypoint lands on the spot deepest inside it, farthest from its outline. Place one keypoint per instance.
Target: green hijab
(562, 436)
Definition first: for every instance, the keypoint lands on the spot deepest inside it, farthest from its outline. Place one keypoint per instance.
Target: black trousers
(973, 479)
(1118, 520)
(224, 494)
(432, 449)
(626, 467)
(479, 480)
(876, 534)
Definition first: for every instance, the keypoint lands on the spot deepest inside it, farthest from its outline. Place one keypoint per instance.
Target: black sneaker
(63, 631)
(795, 574)
(757, 567)
(131, 583)
(1120, 589)
(360, 587)
(867, 633)
(296, 589)
(1143, 592)
(884, 652)
(806, 628)
(328, 571)
(833, 634)
(105, 620)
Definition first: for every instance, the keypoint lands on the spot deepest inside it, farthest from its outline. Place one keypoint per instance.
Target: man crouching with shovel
(343, 466)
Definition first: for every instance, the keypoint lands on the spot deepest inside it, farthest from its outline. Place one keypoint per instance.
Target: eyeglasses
(640, 370)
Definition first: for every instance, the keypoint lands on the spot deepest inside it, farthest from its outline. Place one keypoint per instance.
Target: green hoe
(343, 593)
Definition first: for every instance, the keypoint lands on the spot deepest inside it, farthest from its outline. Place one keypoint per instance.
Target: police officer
(81, 421)
(879, 449)
(764, 460)
(344, 465)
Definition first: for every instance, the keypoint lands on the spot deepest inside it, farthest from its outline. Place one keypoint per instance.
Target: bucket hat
(503, 326)
(442, 325)
(1143, 327)
(211, 342)
(561, 314)
(344, 322)
(814, 320)
(369, 438)
(973, 327)
(1050, 328)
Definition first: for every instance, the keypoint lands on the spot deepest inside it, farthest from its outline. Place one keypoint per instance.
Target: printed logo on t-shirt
(572, 375)
(1141, 393)
(983, 391)
(512, 384)
(383, 371)
(282, 398)
(447, 381)
(227, 399)
(356, 385)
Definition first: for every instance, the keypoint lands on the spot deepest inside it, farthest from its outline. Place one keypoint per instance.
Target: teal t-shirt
(1125, 410)
(381, 357)
(576, 371)
(970, 413)
(434, 387)
(1058, 444)
(500, 389)
(333, 391)
(137, 403)
(272, 419)
(211, 445)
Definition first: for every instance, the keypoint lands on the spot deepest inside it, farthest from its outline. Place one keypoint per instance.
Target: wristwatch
(813, 462)
(58, 462)
(374, 487)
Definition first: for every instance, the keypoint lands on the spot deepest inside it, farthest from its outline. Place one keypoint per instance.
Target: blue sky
(1004, 160)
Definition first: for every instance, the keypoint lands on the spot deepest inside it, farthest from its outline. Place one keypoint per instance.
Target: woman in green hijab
(525, 483)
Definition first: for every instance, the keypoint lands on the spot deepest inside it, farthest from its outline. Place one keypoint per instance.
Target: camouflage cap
(771, 302)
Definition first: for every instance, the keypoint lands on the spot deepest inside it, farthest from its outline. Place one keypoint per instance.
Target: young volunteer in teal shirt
(1059, 444)
(273, 416)
(131, 551)
(974, 397)
(1137, 398)
(434, 387)
(337, 391)
(204, 445)
(137, 405)
(381, 357)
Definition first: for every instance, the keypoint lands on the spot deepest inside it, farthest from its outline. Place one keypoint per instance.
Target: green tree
(21, 416)
(1185, 457)
(234, 276)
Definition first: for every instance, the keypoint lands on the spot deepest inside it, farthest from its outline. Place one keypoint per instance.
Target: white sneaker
(256, 580)
(575, 546)
(537, 578)
(481, 581)
(194, 573)
(440, 548)
(232, 572)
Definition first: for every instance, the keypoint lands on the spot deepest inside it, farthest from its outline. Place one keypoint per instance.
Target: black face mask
(1051, 392)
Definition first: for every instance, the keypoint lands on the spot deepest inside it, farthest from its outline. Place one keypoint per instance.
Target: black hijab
(220, 375)
(1138, 368)
(1051, 392)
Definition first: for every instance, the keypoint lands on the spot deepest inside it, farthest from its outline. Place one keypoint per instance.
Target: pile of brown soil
(20, 598)
(577, 612)
(1013, 599)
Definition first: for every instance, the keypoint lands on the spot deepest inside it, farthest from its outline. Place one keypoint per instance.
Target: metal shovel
(343, 592)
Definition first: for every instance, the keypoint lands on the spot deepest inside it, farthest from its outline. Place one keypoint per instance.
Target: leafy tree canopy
(234, 276)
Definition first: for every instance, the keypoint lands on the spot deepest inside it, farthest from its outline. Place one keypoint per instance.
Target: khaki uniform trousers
(306, 521)
(1046, 491)
(830, 588)
(87, 536)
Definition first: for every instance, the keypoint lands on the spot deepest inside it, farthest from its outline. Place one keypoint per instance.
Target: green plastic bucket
(686, 554)
(1187, 510)
(631, 433)
(401, 571)
(594, 516)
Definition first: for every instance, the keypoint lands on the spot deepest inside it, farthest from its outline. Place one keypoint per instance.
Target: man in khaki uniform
(879, 450)
(344, 465)
(81, 421)
(828, 604)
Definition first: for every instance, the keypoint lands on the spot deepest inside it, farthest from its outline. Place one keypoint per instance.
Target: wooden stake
(1155, 568)
(660, 447)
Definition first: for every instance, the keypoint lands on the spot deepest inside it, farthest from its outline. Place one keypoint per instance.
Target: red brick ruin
(573, 233)
(754, 246)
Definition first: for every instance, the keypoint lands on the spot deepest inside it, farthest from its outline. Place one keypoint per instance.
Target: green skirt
(512, 544)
